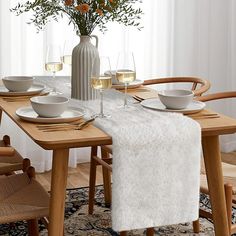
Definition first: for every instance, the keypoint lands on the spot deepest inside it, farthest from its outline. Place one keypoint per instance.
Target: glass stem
(53, 77)
(125, 100)
(101, 103)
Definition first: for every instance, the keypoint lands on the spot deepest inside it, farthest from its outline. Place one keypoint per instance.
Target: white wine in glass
(53, 62)
(69, 45)
(101, 79)
(125, 76)
(67, 59)
(101, 82)
(53, 66)
(126, 71)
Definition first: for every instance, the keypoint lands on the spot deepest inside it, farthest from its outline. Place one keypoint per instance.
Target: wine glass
(101, 79)
(125, 71)
(53, 61)
(67, 54)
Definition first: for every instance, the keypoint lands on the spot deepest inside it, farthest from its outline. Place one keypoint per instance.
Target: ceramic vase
(83, 57)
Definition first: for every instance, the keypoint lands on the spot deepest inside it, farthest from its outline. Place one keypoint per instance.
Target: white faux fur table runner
(156, 162)
(156, 165)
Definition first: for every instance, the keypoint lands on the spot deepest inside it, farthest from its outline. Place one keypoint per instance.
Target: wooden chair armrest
(217, 96)
(204, 84)
(7, 151)
(6, 168)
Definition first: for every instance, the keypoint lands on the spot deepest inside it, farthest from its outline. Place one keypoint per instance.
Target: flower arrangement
(85, 15)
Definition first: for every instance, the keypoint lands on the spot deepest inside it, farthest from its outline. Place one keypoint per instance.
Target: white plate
(155, 104)
(34, 89)
(71, 114)
(134, 84)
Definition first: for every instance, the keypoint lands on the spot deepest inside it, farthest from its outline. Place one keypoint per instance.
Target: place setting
(177, 100)
(50, 109)
(20, 88)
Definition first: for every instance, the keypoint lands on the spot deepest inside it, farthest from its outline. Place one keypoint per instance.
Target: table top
(216, 126)
(89, 136)
(92, 136)
(212, 126)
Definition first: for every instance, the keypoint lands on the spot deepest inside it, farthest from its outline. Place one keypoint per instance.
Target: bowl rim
(27, 78)
(49, 103)
(169, 95)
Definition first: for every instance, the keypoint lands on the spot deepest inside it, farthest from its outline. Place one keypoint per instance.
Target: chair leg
(106, 180)
(45, 221)
(31, 172)
(33, 229)
(228, 197)
(196, 226)
(150, 232)
(0, 116)
(26, 164)
(123, 233)
(92, 180)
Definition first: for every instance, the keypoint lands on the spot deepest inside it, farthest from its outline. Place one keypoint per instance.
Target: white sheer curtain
(180, 37)
(204, 44)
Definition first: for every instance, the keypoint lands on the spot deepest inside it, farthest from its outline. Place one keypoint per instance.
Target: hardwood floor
(77, 177)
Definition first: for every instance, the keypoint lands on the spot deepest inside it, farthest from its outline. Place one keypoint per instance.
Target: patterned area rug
(79, 223)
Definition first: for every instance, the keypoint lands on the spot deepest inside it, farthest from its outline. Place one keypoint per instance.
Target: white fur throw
(156, 164)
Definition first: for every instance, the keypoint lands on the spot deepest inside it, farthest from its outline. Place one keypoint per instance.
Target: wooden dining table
(61, 141)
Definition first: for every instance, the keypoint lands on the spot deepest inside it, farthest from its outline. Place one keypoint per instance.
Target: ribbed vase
(82, 59)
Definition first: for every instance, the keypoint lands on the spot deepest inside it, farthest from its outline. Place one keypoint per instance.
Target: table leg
(58, 187)
(106, 179)
(0, 116)
(212, 158)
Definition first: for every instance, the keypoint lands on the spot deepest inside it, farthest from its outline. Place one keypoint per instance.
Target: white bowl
(18, 83)
(49, 106)
(176, 98)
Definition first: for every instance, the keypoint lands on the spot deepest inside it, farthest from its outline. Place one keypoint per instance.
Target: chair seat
(229, 172)
(22, 198)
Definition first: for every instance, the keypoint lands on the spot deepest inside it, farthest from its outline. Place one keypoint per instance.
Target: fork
(137, 98)
(69, 127)
(54, 125)
(204, 116)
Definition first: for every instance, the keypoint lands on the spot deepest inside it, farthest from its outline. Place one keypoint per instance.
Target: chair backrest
(204, 84)
(217, 96)
(10, 159)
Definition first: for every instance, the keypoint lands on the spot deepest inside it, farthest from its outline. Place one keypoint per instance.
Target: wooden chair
(199, 86)
(230, 182)
(21, 196)
(10, 159)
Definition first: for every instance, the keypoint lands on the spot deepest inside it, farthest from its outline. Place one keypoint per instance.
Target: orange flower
(83, 8)
(69, 2)
(111, 1)
(99, 11)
